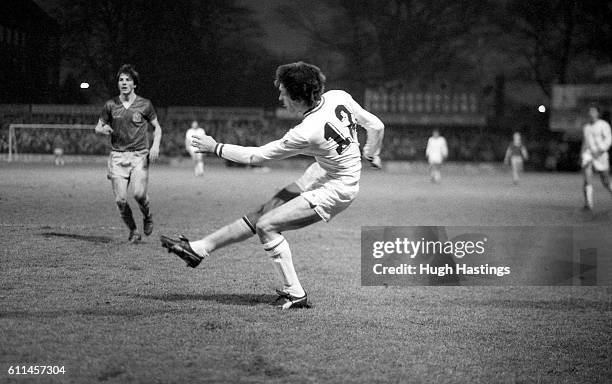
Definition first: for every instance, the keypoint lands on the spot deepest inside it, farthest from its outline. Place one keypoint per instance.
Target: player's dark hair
(129, 69)
(303, 82)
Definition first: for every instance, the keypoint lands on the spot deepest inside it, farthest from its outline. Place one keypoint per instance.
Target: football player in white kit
(327, 133)
(197, 157)
(436, 152)
(594, 155)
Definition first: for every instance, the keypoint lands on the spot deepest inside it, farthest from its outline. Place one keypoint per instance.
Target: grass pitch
(73, 293)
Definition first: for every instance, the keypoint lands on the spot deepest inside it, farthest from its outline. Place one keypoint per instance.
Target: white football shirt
(328, 133)
(437, 150)
(595, 145)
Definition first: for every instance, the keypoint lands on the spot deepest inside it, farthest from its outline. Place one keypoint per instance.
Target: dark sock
(144, 207)
(126, 215)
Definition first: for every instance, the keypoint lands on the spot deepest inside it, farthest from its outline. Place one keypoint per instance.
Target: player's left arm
(444, 149)
(375, 132)
(524, 153)
(606, 137)
(157, 134)
(151, 116)
(508, 155)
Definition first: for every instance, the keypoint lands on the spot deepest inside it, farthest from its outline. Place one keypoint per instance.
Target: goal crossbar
(12, 139)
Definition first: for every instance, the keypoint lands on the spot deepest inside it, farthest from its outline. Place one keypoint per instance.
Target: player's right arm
(290, 145)
(106, 115)
(188, 146)
(102, 128)
(507, 156)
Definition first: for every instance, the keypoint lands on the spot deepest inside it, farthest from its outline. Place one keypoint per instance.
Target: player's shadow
(93, 239)
(247, 299)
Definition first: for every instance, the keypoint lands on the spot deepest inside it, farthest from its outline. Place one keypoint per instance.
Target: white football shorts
(328, 196)
(128, 164)
(600, 163)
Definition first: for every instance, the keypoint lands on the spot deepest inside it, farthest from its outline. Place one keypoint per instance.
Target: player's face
(291, 105)
(517, 139)
(194, 124)
(593, 114)
(126, 84)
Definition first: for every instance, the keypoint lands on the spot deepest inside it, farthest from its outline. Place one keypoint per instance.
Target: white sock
(279, 252)
(199, 247)
(588, 195)
(234, 232)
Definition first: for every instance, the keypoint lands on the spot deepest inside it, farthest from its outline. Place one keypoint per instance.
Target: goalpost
(12, 138)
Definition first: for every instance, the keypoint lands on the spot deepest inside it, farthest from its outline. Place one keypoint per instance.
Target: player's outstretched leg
(234, 232)
(242, 228)
(192, 251)
(237, 231)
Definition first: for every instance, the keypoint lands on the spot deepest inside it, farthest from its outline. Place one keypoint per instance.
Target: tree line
(211, 52)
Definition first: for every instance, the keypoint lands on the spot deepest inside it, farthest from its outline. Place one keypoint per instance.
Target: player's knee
(251, 220)
(264, 225)
(140, 196)
(122, 204)
(254, 216)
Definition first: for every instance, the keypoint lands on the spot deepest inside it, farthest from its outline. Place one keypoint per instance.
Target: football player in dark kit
(126, 119)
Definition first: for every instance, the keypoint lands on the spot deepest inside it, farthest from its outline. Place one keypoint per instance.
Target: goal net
(73, 139)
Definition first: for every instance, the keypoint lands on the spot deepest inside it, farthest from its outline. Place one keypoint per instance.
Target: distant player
(327, 133)
(594, 155)
(58, 150)
(516, 154)
(126, 119)
(436, 152)
(197, 157)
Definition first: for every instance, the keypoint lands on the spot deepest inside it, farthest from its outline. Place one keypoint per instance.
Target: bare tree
(188, 49)
(559, 40)
(390, 40)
